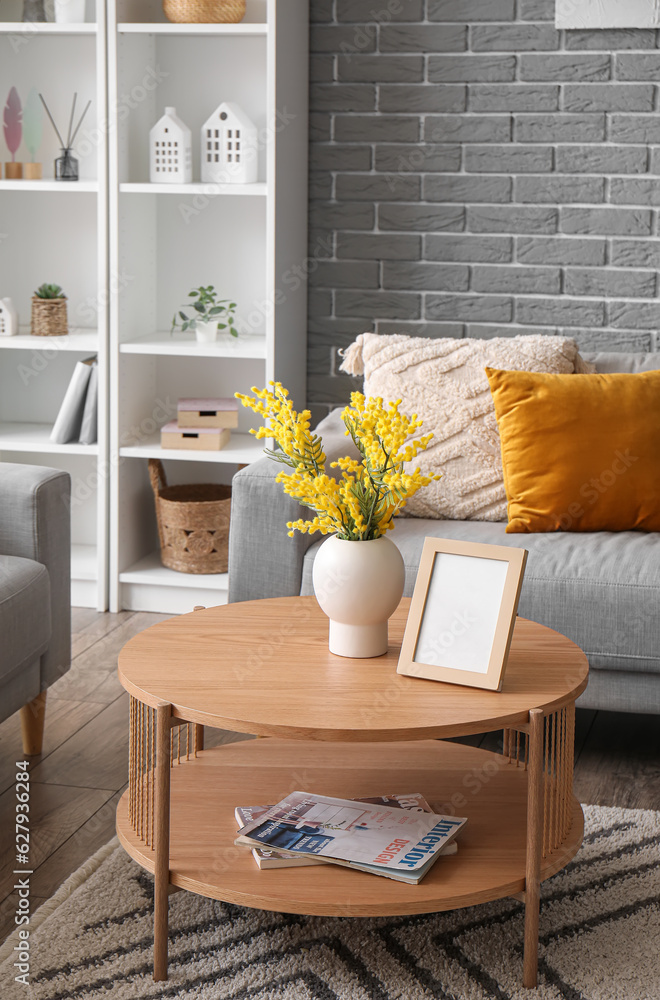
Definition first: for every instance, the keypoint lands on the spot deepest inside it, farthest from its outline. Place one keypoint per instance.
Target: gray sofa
(35, 582)
(602, 589)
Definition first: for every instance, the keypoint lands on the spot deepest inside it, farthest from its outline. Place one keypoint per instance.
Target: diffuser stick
(73, 109)
(73, 137)
(57, 133)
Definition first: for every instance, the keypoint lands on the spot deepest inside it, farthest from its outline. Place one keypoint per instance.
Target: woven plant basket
(193, 523)
(49, 317)
(204, 11)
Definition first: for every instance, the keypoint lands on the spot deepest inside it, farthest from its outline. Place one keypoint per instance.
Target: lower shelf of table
(490, 862)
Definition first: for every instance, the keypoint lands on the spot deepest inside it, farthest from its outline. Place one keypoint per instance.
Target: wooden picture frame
(462, 613)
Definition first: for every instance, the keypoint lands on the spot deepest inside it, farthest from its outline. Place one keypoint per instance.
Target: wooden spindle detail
(535, 832)
(568, 762)
(162, 837)
(546, 787)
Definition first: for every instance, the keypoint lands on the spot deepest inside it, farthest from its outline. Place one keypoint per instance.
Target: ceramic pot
(358, 585)
(206, 333)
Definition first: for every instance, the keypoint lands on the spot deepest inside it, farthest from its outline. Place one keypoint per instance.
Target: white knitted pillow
(444, 382)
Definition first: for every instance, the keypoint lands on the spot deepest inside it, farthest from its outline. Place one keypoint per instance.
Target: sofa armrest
(35, 523)
(263, 560)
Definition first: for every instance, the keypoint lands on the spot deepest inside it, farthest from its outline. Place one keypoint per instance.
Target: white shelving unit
(247, 240)
(57, 232)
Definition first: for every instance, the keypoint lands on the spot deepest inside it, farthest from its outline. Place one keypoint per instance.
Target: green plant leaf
(222, 326)
(199, 307)
(193, 295)
(233, 332)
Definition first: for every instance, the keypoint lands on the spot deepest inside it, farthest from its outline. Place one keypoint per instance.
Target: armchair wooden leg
(33, 716)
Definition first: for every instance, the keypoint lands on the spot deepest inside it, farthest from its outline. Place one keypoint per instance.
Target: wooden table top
(264, 667)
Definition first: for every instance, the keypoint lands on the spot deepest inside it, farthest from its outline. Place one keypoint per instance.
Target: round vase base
(358, 641)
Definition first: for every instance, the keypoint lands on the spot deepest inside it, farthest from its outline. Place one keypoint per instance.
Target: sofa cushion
(443, 381)
(25, 624)
(601, 589)
(614, 361)
(580, 453)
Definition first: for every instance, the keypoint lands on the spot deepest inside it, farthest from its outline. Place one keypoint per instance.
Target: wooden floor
(78, 779)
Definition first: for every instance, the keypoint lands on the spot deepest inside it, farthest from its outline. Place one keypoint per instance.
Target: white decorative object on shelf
(170, 150)
(229, 147)
(69, 11)
(8, 319)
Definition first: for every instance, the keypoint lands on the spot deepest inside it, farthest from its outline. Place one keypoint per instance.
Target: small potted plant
(49, 317)
(209, 314)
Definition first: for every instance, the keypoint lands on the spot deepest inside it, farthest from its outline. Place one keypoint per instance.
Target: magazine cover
(268, 858)
(391, 841)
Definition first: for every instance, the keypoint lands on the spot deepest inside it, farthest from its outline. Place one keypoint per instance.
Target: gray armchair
(35, 581)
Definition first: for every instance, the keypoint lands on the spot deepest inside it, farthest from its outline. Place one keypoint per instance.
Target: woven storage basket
(204, 11)
(193, 523)
(49, 317)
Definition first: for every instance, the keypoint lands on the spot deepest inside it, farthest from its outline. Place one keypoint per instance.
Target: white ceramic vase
(206, 332)
(69, 11)
(358, 585)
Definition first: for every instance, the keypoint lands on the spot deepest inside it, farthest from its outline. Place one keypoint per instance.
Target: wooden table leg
(534, 844)
(162, 840)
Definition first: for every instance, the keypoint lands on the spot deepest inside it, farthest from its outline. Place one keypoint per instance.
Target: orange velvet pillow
(579, 452)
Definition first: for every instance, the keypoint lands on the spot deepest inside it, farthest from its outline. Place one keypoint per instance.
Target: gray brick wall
(476, 173)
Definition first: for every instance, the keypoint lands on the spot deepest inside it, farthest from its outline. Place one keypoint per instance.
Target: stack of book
(77, 418)
(397, 836)
(201, 424)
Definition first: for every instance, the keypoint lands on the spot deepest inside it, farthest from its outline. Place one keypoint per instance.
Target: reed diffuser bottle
(66, 165)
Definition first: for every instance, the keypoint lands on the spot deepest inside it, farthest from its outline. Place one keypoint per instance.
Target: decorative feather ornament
(32, 124)
(13, 116)
(33, 10)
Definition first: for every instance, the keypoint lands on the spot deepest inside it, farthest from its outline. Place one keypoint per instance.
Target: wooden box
(208, 412)
(195, 438)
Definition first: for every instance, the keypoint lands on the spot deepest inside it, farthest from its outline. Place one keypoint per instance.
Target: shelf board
(259, 189)
(83, 562)
(62, 187)
(241, 450)
(79, 340)
(127, 27)
(185, 345)
(151, 572)
(35, 437)
(46, 28)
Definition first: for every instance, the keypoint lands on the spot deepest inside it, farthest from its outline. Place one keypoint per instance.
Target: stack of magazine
(77, 419)
(397, 836)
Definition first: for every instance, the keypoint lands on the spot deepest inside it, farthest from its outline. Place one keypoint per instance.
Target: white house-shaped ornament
(170, 150)
(229, 146)
(8, 318)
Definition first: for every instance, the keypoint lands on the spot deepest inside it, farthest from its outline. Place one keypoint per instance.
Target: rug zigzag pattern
(600, 934)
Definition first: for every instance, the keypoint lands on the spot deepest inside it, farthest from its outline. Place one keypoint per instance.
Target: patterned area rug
(600, 938)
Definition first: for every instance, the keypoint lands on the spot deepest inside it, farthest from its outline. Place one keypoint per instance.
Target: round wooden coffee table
(346, 728)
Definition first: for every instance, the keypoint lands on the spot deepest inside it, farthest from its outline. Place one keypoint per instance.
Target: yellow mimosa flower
(362, 502)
